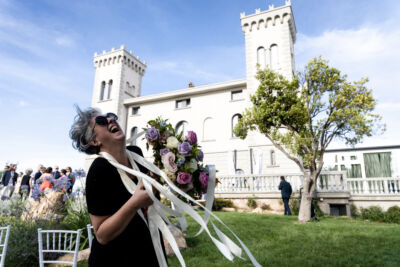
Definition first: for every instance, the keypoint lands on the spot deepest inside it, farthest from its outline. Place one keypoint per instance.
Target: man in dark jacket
(39, 173)
(286, 190)
(10, 176)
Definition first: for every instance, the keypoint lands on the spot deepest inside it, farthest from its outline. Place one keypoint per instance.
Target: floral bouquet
(178, 156)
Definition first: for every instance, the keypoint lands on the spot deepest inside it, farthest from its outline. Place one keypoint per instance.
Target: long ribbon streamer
(157, 221)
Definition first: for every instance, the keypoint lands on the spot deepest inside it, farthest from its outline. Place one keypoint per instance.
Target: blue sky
(47, 47)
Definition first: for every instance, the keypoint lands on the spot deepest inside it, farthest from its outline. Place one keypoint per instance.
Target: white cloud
(22, 103)
(36, 39)
(369, 51)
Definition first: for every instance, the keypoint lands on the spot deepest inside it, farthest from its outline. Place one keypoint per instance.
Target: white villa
(249, 167)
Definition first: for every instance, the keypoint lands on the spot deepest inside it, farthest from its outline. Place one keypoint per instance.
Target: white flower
(172, 142)
(168, 161)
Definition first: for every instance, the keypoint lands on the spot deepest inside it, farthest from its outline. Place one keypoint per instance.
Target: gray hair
(81, 132)
(28, 171)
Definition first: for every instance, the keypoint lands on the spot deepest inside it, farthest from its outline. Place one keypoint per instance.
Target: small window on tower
(135, 110)
(236, 95)
(183, 103)
(110, 83)
(102, 90)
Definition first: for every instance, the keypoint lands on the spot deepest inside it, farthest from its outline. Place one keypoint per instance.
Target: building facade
(249, 167)
(210, 110)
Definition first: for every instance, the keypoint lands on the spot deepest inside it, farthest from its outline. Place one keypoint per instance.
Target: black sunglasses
(103, 120)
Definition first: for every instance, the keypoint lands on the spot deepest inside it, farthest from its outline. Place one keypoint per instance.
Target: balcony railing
(374, 186)
(329, 181)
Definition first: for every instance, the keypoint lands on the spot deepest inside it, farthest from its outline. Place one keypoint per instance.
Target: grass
(278, 240)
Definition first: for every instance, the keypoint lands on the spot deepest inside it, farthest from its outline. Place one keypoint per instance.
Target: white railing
(327, 182)
(332, 181)
(374, 186)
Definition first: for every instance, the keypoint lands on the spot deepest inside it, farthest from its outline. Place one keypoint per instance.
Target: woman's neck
(119, 154)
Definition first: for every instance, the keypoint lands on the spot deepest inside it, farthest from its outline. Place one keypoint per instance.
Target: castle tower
(269, 37)
(118, 77)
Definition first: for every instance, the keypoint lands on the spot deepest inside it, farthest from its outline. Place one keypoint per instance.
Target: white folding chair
(90, 234)
(3, 243)
(58, 241)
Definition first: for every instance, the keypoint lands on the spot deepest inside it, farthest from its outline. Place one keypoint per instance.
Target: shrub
(220, 203)
(373, 213)
(392, 215)
(294, 205)
(12, 207)
(251, 202)
(265, 206)
(354, 211)
(77, 217)
(22, 249)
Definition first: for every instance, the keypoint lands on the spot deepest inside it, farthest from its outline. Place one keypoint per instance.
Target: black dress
(105, 195)
(25, 181)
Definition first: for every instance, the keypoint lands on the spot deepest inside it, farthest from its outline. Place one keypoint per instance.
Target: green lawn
(279, 241)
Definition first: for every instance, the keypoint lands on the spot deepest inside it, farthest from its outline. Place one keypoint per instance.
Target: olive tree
(303, 115)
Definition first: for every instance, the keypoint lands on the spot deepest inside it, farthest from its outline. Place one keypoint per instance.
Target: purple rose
(191, 137)
(204, 179)
(164, 151)
(200, 156)
(184, 149)
(183, 178)
(152, 134)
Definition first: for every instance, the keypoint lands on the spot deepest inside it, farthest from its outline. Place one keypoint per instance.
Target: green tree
(303, 115)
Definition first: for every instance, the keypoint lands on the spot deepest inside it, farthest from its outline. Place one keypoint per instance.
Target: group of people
(26, 181)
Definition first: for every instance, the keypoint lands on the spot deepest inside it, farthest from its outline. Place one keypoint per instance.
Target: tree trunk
(306, 198)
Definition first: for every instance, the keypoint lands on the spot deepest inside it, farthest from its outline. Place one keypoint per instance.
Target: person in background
(64, 174)
(10, 176)
(71, 176)
(286, 191)
(56, 173)
(47, 178)
(39, 173)
(26, 181)
(18, 183)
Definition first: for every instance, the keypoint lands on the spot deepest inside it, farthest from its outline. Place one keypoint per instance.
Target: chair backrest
(58, 241)
(4, 234)
(90, 234)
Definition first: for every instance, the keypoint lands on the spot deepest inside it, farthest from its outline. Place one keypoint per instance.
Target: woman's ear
(94, 142)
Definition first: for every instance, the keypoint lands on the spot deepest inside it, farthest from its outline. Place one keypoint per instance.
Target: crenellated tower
(118, 76)
(269, 39)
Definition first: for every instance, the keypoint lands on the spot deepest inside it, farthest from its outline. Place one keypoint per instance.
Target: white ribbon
(157, 220)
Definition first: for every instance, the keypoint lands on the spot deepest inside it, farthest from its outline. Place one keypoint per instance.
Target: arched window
(208, 129)
(182, 126)
(261, 57)
(274, 59)
(235, 121)
(102, 90)
(272, 158)
(109, 89)
(134, 131)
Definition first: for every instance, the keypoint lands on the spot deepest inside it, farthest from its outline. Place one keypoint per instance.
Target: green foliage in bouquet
(178, 156)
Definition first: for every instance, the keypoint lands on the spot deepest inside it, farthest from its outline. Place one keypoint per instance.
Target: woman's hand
(140, 197)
